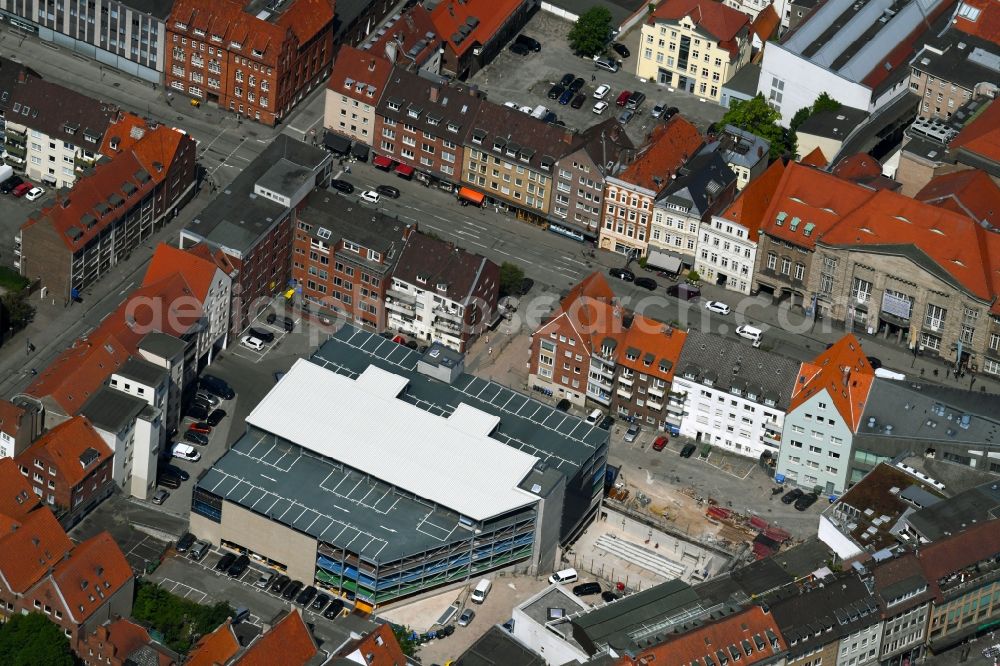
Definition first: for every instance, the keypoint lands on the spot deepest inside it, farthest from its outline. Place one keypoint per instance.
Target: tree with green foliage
(404, 636)
(180, 621)
(19, 311)
(511, 277)
(823, 103)
(590, 33)
(757, 116)
(33, 639)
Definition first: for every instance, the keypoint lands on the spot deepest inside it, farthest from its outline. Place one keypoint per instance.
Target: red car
(201, 427)
(399, 340)
(623, 98)
(22, 189)
(660, 443)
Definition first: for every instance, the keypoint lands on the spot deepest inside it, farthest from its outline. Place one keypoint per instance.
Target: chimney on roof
(21, 76)
(846, 372)
(451, 8)
(371, 65)
(434, 93)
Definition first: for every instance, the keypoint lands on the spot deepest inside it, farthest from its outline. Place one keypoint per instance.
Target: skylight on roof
(968, 12)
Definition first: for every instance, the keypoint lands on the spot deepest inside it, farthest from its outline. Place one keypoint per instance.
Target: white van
(564, 576)
(539, 112)
(482, 589)
(749, 332)
(594, 416)
(251, 342)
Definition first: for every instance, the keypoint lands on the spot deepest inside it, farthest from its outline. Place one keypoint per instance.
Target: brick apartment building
(251, 221)
(69, 468)
(423, 125)
(343, 259)
(442, 293)
(81, 235)
(354, 89)
(256, 65)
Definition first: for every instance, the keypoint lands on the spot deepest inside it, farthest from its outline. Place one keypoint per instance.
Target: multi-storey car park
(380, 473)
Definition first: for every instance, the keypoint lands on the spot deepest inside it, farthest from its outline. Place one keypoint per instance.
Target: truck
(6, 171)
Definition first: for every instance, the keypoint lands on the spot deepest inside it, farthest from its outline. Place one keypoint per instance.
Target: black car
(292, 590)
(445, 631)
(792, 495)
(670, 113)
(608, 596)
(237, 568)
(519, 49)
(620, 49)
(585, 589)
(577, 84)
(550, 117)
(564, 405)
(874, 362)
(280, 583)
(622, 274)
(806, 501)
(566, 80)
(215, 418)
(196, 438)
(261, 334)
(286, 322)
(306, 596)
(198, 410)
(606, 422)
(342, 186)
(8, 185)
(528, 42)
(646, 283)
(168, 480)
(217, 386)
(225, 562)
(333, 610)
(320, 603)
(578, 101)
(185, 543)
(635, 100)
(388, 191)
(526, 285)
(566, 97)
(177, 471)
(556, 91)
(688, 450)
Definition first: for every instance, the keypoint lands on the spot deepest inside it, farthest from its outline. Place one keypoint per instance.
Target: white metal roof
(361, 423)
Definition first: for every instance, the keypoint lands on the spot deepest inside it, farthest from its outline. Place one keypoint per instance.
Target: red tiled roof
(215, 648)
(649, 336)
(955, 553)
(360, 67)
(381, 644)
(65, 445)
(670, 146)
(288, 643)
(815, 158)
(952, 241)
(16, 497)
(982, 135)
(755, 199)
(721, 22)
(10, 417)
(741, 631)
(197, 271)
(806, 197)
(227, 19)
(95, 570)
(34, 545)
(449, 15)
(987, 23)
(123, 133)
(152, 154)
(124, 637)
(406, 33)
(843, 371)
(589, 308)
(307, 18)
(218, 257)
(970, 192)
(766, 24)
(79, 372)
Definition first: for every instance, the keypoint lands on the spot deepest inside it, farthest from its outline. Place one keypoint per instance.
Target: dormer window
(453, 128)
(216, 38)
(257, 54)
(498, 145)
(236, 45)
(413, 113)
(393, 106)
(511, 152)
(180, 26)
(374, 256)
(352, 247)
(199, 33)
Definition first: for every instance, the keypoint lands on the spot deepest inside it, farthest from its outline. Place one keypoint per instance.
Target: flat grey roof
(950, 515)
(161, 344)
(745, 80)
(237, 217)
(558, 598)
(111, 410)
(342, 218)
(141, 371)
(834, 124)
(497, 647)
(960, 58)
(839, 608)
(620, 9)
(157, 8)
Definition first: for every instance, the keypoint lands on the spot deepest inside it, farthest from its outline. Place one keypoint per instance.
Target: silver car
(632, 433)
(265, 578)
(466, 618)
(626, 116)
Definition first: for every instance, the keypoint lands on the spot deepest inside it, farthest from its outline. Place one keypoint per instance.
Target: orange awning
(471, 195)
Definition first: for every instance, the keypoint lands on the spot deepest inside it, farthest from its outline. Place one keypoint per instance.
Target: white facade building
(735, 395)
(726, 255)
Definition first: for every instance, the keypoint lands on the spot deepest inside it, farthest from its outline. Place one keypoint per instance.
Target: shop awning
(336, 143)
(360, 151)
(404, 170)
(382, 162)
(663, 261)
(471, 195)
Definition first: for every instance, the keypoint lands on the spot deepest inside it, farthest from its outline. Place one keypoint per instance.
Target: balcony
(447, 313)
(448, 325)
(12, 136)
(16, 150)
(402, 304)
(625, 381)
(624, 393)
(600, 381)
(403, 310)
(674, 407)
(772, 437)
(605, 371)
(652, 404)
(656, 391)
